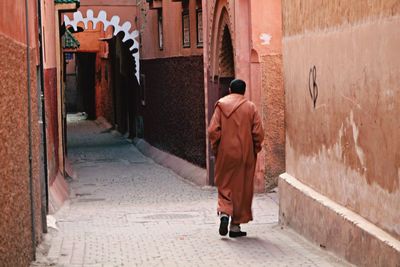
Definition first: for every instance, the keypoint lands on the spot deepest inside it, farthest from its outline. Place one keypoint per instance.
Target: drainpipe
(45, 179)
(28, 64)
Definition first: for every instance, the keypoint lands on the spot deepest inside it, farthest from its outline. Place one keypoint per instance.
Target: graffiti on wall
(312, 85)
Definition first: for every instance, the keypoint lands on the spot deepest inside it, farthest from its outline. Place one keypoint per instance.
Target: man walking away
(236, 134)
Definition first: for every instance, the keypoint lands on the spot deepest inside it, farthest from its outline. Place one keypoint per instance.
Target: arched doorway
(91, 21)
(226, 66)
(221, 69)
(107, 70)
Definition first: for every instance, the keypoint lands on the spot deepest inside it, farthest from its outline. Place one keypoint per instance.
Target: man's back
(237, 119)
(235, 133)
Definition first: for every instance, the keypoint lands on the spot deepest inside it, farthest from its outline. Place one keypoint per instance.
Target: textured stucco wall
(347, 146)
(174, 111)
(273, 113)
(15, 226)
(315, 15)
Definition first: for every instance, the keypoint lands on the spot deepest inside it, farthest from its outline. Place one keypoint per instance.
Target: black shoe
(237, 234)
(223, 226)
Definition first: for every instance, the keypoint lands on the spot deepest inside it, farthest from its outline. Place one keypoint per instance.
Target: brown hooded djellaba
(236, 134)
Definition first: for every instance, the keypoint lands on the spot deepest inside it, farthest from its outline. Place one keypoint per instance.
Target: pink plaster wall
(125, 9)
(89, 39)
(49, 36)
(172, 29)
(347, 147)
(12, 10)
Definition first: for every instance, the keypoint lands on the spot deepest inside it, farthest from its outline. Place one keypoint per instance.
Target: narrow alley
(126, 210)
(199, 133)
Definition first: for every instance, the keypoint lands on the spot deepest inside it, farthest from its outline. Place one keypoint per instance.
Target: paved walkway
(125, 210)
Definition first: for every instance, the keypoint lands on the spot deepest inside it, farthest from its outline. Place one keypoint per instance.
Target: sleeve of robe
(214, 130)
(257, 132)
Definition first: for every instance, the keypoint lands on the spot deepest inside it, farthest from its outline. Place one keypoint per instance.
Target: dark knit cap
(238, 86)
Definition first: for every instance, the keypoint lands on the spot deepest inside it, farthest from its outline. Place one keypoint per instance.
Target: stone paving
(125, 210)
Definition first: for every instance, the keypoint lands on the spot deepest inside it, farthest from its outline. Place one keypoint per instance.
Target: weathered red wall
(15, 205)
(347, 147)
(104, 97)
(273, 112)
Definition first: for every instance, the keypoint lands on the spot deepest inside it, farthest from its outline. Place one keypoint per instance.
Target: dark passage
(86, 97)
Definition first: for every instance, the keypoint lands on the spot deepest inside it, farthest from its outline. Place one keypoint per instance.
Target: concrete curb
(181, 167)
(58, 193)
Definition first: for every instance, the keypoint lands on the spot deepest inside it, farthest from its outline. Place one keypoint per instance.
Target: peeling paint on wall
(349, 150)
(359, 151)
(265, 38)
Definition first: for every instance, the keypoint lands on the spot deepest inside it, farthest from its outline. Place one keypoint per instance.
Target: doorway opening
(124, 85)
(226, 68)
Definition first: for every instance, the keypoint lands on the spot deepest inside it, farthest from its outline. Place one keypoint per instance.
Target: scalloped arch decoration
(115, 22)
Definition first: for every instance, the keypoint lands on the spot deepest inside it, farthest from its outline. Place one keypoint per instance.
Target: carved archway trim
(221, 20)
(115, 22)
(223, 24)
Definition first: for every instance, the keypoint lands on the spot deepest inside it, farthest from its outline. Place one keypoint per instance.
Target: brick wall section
(174, 119)
(15, 226)
(312, 15)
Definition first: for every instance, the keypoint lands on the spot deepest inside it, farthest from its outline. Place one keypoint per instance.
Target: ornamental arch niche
(125, 28)
(226, 66)
(222, 62)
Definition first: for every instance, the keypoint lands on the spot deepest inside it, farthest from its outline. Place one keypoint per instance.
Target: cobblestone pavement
(125, 210)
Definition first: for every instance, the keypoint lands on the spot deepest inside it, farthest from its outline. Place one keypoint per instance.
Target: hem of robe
(225, 211)
(244, 219)
(241, 221)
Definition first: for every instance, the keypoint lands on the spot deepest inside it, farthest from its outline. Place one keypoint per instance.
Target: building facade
(171, 107)
(189, 52)
(342, 72)
(243, 40)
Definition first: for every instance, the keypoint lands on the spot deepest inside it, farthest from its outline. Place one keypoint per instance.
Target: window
(160, 29)
(186, 28)
(199, 27)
